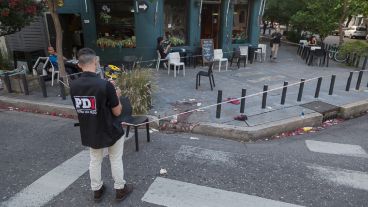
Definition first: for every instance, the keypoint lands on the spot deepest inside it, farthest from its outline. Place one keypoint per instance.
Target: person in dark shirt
(275, 43)
(162, 48)
(97, 104)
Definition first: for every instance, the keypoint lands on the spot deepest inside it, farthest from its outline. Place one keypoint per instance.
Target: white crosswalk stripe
(336, 148)
(350, 178)
(172, 193)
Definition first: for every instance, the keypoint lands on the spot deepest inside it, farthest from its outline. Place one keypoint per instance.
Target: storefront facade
(117, 28)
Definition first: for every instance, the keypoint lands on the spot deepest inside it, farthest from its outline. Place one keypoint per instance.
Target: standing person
(275, 43)
(97, 104)
(264, 27)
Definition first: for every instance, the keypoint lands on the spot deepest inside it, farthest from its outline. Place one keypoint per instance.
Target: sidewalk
(175, 95)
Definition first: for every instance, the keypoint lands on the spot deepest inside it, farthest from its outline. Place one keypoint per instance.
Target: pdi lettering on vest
(85, 104)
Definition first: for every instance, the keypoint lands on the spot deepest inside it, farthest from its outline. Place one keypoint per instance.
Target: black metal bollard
(349, 81)
(359, 81)
(284, 90)
(354, 59)
(357, 61)
(264, 97)
(318, 88)
(62, 88)
(25, 84)
(41, 79)
(332, 84)
(301, 88)
(7, 83)
(348, 58)
(242, 101)
(219, 100)
(365, 62)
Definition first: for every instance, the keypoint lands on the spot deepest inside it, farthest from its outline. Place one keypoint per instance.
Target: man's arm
(113, 98)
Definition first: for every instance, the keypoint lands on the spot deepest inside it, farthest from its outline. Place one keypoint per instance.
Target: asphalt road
(326, 168)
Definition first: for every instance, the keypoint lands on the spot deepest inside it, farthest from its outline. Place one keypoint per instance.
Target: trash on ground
(241, 117)
(307, 129)
(194, 138)
(269, 107)
(199, 104)
(163, 171)
(233, 101)
(200, 110)
(191, 99)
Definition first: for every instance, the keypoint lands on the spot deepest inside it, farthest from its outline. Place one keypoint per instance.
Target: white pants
(116, 162)
(275, 49)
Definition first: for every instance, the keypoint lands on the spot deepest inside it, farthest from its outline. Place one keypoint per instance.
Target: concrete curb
(212, 129)
(352, 110)
(38, 106)
(260, 131)
(67, 111)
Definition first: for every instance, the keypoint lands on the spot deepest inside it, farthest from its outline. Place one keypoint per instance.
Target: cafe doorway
(210, 21)
(72, 33)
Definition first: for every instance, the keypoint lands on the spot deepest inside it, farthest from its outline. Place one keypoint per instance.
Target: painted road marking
(336, 148)
(350, 178)
(172, 193)
(200, 154)
(51, 184)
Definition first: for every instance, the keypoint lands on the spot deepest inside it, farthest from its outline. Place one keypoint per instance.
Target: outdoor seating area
(313, 54)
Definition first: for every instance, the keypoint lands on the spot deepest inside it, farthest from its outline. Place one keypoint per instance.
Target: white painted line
(350, 178)
(172, 193)
(199, 154)
(51, 184)
(336, 148)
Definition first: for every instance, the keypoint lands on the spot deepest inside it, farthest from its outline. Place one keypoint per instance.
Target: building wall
(147, 31)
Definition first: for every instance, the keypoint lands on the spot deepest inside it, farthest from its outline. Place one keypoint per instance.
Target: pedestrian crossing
(175, 193)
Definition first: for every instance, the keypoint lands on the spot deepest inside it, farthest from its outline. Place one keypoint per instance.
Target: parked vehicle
(356, 32)
(336, 31)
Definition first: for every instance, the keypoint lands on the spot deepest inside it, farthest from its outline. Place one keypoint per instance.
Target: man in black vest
(97, 104)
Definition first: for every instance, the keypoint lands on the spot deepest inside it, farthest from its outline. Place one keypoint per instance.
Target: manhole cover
(327, 110)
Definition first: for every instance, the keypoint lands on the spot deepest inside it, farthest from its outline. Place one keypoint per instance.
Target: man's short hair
(86, 56)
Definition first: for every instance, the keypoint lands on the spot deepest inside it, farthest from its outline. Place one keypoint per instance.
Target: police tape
(225, 102)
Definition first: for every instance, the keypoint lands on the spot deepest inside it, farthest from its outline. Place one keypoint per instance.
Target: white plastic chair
(218, 55)
(244, 53)
(174, 59)
(261, 52)
(159, 59)
(46, 60)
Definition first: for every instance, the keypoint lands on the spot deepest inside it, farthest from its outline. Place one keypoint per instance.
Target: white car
(356, 32)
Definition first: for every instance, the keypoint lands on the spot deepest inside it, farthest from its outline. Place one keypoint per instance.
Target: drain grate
(328, 111)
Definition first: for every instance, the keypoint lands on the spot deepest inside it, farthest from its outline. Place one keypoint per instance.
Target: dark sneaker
(121, 194)
(97, 195)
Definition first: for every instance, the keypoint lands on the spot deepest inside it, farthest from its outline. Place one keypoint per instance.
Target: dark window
(175, 27)
(115, 23)
(241, 21)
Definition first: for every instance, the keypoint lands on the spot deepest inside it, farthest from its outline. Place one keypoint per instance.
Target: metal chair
(208, 74)
(261, 51)
(128, 119)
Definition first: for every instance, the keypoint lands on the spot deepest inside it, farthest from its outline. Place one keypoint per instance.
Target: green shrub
(293, 36)
(358, 47)
(5, 63)
(137, 85)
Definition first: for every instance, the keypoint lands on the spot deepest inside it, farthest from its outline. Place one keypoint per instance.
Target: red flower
(13, 3)
(31, 10)
(5, 12)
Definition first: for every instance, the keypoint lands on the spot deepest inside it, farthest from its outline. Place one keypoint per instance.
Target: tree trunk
(349, 20)
(341, 22)
(52, 4)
